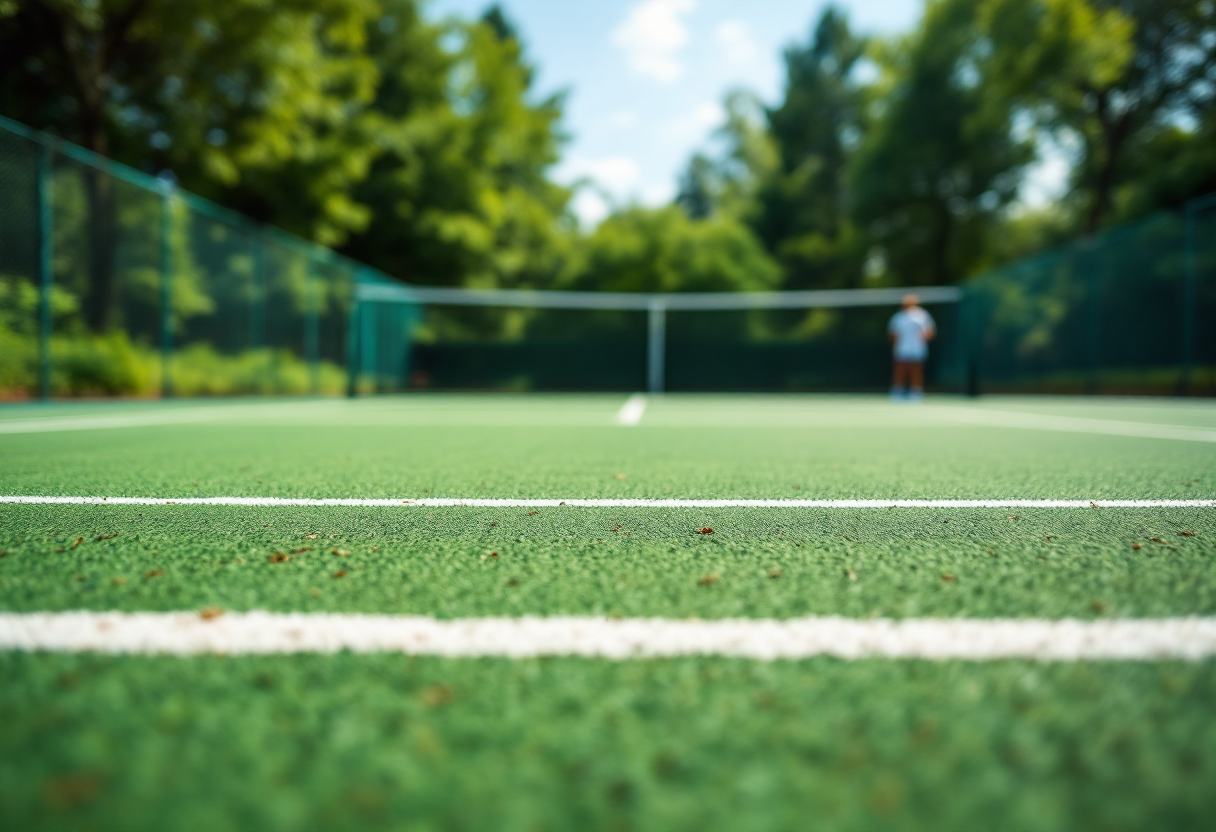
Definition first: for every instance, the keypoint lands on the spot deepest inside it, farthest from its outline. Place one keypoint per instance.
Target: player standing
(910, 331)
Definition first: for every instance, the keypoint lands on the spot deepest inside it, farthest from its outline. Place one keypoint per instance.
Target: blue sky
(645, 78)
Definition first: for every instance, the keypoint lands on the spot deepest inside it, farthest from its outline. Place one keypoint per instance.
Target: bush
(112, 365)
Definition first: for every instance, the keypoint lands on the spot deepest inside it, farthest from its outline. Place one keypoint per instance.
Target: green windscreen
(1130, 311)
(146, 290)
(491, 348)
(152, 291)
(19, 267)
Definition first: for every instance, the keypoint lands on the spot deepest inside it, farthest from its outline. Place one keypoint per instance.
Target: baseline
(1073, 424)
(183, 633)
(607, 502)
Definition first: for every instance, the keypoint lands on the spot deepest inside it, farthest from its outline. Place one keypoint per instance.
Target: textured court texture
(380, 740)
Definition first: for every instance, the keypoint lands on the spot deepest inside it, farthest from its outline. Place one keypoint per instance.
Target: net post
(311, 326)
(656, 346)
(166, 291)
(970, 315)
(46, 265)
(1188, 299)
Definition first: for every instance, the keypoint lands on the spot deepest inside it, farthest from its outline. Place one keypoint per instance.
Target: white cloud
(590, 207)
(623, 119)
(690, 127)
(652, 36)
(614, 174)
(1046, 180)
(658, 193)
(708, 114)
(736, 41)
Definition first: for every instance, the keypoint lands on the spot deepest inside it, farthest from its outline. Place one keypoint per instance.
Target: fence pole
(656, 347)
(46, 265)
(257, 304)
(166, 293)
(311, 327)
(1188, 300)
(352, 343)
(1094, 324)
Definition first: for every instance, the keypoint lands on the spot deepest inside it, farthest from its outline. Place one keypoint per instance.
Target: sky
(645, 79)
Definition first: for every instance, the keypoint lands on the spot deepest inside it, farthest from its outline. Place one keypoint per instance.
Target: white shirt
(910, 326)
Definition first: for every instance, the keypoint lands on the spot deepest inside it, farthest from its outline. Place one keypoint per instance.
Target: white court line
(632, 411)
(1073, 424)
(490, 502)
(181, 416)
(182, 633)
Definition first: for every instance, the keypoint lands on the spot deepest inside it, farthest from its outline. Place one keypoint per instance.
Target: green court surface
(375, 741)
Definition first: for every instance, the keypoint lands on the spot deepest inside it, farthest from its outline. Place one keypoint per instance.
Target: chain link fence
(115, 283)
(1129, 311)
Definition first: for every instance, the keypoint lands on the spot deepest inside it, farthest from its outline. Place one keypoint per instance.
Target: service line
(192, 633)
(571, 502)
(632, 410)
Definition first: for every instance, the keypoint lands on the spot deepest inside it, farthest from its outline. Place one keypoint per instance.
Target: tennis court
(683, 612)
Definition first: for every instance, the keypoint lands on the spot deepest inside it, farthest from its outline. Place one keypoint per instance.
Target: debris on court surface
(79, 540)
(1187, 534)
(821, 723)
(278, 557)
(341, 553)
(209, 613)
(706, 530)
(435, 695)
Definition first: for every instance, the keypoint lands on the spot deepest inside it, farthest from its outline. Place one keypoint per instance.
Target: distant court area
(688, 611)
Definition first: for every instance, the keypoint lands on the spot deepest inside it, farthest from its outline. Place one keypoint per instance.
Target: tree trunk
(102, 293)
(1113, 134)
(941, 244)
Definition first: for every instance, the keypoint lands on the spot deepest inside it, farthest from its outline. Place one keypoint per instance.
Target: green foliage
(899, 161)
(198, 370)
(803, 216)
(1113, 75)
(662, 250)
(461, 194)
(940, 159)
(88, 365)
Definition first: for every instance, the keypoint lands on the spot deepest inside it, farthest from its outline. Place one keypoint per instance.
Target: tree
(258, 105)
(698, 190)
(662, 250)
(939, 160)
(803, 212)
(1108, 71)
(461, 193)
